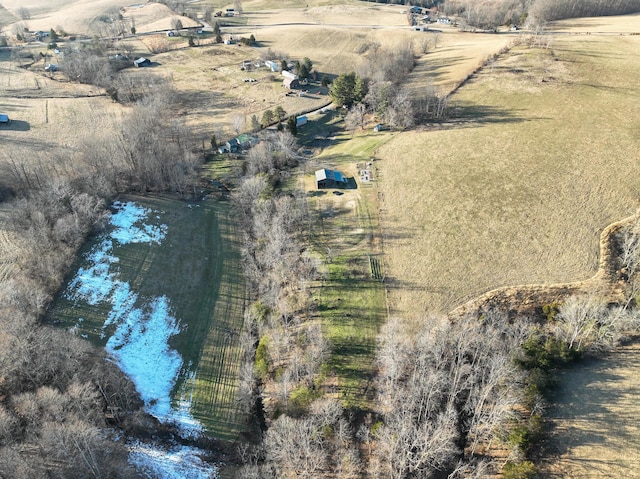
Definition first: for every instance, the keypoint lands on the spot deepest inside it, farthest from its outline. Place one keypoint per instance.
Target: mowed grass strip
(197, 266)
(351, 299)
(542, 155)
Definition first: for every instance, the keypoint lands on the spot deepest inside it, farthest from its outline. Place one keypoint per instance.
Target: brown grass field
(594, 422)
(509, 193)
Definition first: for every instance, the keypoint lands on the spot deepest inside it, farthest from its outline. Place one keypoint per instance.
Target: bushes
(262, 357)
(525, 436)
(546, 352)
(519, 470)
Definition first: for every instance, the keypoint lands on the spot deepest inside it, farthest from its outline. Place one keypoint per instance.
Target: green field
(197, 267)
(351, 299)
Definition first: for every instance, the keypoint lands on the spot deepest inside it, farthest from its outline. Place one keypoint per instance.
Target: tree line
(490, 14)
(63, 402)
(377, 90)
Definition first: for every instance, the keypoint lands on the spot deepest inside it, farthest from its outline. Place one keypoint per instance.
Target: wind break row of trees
(55, 388)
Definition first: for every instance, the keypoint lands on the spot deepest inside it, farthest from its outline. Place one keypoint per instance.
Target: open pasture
(594, 419)
(194, 272)
(86, 16)
(542, 154)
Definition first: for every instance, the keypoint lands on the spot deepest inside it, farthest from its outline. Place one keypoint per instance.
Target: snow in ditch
(139, 343)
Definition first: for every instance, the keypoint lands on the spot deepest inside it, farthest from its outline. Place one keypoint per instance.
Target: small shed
(4, 118)
(232, 145)
(301, 121)
(326, 178)
(142, 62)
(272, 65)
(291, 83)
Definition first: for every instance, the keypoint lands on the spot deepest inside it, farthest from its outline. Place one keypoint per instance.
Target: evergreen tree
(292, 125)
(347, 89)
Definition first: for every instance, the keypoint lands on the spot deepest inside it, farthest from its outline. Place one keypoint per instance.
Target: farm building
(272, 65)
(232, 145)
(288, 74)
(330, 179)
(4, 118)
(301, 121)
(291, 83)
(142, 62)
(246, 141)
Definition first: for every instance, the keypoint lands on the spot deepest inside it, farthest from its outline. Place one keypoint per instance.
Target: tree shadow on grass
(484, 114)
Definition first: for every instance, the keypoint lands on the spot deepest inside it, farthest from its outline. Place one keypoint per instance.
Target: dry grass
(75, 16)
(519, 189)
(597, 25)
(595, 420)
(48, 115)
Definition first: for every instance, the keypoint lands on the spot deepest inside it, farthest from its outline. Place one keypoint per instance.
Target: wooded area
(446, 393)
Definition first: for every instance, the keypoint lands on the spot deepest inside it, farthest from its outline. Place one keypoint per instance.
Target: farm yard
(350, 300)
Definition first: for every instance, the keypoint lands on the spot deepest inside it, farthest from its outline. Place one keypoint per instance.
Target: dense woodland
(446, 390)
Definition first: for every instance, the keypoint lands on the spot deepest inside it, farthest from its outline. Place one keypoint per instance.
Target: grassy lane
(351, 299)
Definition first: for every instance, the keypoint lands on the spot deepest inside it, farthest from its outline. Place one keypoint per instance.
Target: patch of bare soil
(595, 420)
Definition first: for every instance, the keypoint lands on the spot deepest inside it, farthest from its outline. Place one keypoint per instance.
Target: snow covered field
(138, 330)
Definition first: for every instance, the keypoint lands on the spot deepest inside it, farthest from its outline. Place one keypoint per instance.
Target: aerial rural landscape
(319, 238)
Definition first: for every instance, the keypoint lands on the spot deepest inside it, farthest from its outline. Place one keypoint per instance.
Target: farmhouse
(4, 118)
(142, 62)
(330, 179)
(246, 141)
(291, 83)
(288, 74)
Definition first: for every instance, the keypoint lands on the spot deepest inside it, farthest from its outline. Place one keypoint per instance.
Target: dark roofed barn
(291, 83)
(142, 62)
(330, 179)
